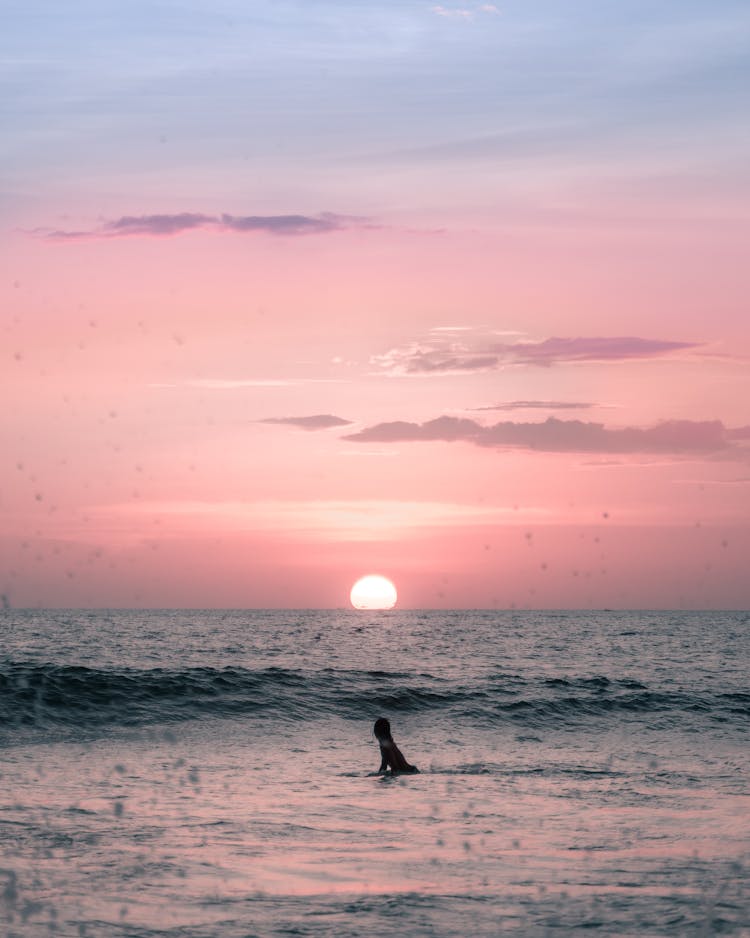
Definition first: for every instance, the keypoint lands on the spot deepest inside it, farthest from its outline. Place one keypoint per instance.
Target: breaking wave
(47, 696)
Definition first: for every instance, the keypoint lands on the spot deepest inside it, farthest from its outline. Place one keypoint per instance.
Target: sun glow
(373, 592)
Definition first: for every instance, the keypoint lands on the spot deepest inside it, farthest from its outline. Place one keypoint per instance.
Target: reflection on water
(237, 820)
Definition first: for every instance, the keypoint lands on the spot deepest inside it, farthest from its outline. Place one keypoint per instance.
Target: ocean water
(208, 773)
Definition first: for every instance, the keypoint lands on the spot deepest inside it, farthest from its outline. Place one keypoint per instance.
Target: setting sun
(373, 592)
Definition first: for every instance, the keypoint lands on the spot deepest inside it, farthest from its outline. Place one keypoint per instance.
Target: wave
(46, 696)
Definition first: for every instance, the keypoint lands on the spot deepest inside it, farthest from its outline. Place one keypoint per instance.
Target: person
(391, 756)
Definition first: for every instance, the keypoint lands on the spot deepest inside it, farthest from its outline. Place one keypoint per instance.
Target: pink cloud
(593, 348)
(482, 353)
(539, 405)
(571, 436)
(313, 422)
(167, 225)
(290, 224)
(155, 224)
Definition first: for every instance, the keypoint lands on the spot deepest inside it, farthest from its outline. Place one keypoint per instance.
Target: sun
(373, 592)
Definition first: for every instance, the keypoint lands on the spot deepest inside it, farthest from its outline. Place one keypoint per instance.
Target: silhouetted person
(391, 756)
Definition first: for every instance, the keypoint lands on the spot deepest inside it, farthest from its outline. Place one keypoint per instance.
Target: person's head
(382, 728)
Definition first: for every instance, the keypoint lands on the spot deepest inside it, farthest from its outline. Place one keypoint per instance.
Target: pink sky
(496, 355)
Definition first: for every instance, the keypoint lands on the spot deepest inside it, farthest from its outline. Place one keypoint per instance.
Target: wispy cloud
(313, 422)
(319, 519)
(564, 436)
(539, 405)
(592, 349)
(452, 354)
(466, 12)
(158, 225)
(292, 224)
(453, 12)
(161, 226)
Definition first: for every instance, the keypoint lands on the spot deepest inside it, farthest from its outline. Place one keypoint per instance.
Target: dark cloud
(437, 362)
(482, 353)
(168, 225)
(313, 422)
(156, 224)
(560, 436)
(57, 234)
(539, 405)
(288, 224)
(592, 349)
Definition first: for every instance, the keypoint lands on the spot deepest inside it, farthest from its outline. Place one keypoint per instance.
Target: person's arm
(383, 760)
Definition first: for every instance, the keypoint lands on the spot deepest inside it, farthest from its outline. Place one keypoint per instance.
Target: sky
(294, 292)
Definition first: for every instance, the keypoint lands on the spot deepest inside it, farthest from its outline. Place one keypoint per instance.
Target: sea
(210, 774)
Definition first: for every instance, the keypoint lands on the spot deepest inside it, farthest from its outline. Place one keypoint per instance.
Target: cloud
(313, 422)
(483, 352)
(465, 13)
(440, 363)
(539, 405)
(592, 349)
(155, 224)
(291, 224)
(455, 12)
(319, 519)
(562, 436)
(160, 226)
